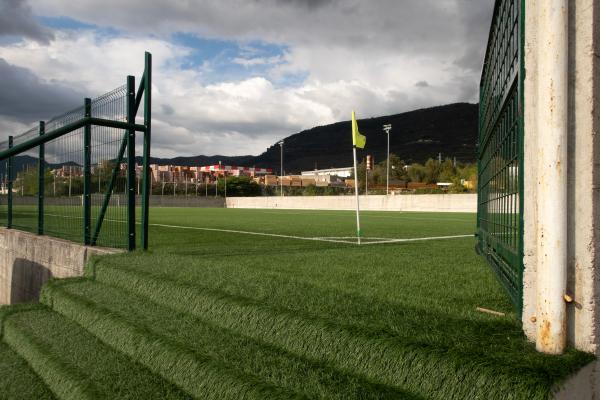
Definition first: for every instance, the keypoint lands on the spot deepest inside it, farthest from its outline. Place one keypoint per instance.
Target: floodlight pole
(281, 169)
(387, 128)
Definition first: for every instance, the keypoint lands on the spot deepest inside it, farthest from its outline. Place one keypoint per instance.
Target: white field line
(318, 239)
(331, 239)
(251, 233)
(419, 239)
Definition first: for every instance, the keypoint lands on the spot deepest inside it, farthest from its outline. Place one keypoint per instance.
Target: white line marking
(331, 239)
(251, 233)
(317, 239)
(420, 239)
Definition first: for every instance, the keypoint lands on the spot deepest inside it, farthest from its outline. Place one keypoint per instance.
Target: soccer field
(232, 303)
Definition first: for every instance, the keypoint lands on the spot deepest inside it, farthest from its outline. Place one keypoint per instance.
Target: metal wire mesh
(106, 145)
(25, 188)
(3, 186)
(500, 148)
(63, 173)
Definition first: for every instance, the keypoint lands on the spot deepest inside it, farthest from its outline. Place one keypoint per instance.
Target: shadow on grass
(488, 345)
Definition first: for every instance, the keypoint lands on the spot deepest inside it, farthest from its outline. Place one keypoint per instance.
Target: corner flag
(358, 140)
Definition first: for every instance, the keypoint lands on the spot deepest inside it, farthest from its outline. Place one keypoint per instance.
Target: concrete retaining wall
(423, 202)
(27, 261)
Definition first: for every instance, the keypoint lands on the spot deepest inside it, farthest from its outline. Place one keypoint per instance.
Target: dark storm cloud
(25, 98)
(476, 19)
(167, 109)
(16, 19)
(447, 27)
(310, 4)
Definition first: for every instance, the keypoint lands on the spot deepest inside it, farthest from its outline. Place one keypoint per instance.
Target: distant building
(341, 172)
(68, 170)
(234, 170)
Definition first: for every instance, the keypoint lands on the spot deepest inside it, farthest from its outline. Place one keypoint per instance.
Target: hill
(415, 137)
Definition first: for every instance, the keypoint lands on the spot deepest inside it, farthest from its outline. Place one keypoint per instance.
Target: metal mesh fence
(3, 186)
(106, 144)
(500, 148)
(74, 176)
(62, 177)
(25, 188)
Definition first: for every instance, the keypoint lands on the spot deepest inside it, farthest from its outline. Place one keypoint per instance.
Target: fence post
(41, 181)
(146, 169)
(87, 174)
(9, 172)
(131, 163)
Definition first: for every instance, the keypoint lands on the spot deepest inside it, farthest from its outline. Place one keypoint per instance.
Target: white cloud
(356, 55)
(190, 118)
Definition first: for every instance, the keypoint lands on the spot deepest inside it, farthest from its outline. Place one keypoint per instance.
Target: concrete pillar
(551, 182)
(582, 173)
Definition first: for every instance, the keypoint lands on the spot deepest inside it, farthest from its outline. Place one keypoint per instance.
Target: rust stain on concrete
(545, 335)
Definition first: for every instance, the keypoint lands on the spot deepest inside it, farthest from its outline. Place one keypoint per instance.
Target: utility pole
(387, 128)
(281, 169)
(368, 167)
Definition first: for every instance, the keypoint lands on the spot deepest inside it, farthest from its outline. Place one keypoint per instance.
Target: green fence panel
(500, 149)
(67, 177)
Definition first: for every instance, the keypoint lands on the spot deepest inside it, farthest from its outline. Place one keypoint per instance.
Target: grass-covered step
(414, 357)
(202, 339)
(76, 365)
(17, 380)
(199, 374)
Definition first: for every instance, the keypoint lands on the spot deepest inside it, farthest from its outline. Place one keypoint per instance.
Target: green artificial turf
(17, 380)
(229, 315)
(75, 364)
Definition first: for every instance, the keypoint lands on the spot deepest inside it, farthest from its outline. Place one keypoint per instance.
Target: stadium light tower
(387, 128)
(281, 169)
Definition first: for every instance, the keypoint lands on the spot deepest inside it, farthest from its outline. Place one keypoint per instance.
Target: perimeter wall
(417, 202)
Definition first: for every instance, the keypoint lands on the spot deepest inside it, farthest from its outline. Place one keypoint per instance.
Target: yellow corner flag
(358, 140)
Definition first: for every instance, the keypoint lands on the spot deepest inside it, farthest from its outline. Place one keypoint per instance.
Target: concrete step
(76, 365)
(254, 357)
(197, 372)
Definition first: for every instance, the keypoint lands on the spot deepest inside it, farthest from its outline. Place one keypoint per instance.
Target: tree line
(431, 172)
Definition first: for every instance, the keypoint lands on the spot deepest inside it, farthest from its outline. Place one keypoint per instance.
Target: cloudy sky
(233, 76)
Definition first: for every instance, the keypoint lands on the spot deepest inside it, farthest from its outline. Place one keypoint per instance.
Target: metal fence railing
(500, 148)
(67, 176)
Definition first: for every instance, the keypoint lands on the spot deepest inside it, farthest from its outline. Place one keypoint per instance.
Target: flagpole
(356, 194)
